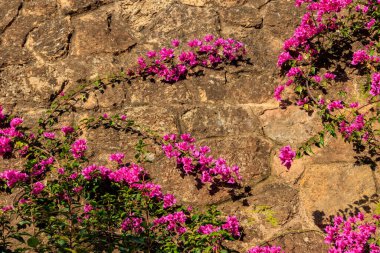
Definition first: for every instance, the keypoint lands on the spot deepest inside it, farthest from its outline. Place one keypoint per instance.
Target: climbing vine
(331, 62)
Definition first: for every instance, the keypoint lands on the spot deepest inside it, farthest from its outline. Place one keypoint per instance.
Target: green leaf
(298, 89)
(308, 151)
(33, 242)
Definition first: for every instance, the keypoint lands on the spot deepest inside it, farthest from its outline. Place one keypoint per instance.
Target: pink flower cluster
(87, 208)
(375, 85)
(195, 160)
(304, 32)
(278, 91)
(94, 171)
(131, 175)
(78, 148)
(7, 208)
(337, 104)
(169, 200)
(67, 130)
(287, 156)
(356, 125)
(38, 187)
(8, 133)
(208, 229)
(2, 116)
(132, 224)
(266, 249)
(360, 56)
(5, 145)
(232, 226)
(15, 122)
(117, 157)
(12, 177)
(328, 6)
(174, 222)
(49, 135)
(40, 167)
(322, 17)
(206, 52)
(352, 235)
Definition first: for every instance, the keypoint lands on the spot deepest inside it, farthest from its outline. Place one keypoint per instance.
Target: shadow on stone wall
(366, 205)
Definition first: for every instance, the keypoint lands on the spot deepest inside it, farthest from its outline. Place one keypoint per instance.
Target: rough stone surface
(281, 198)
(290, 126)
(332, 189)
(212, 121)
(51, 39)
(97, 27)
(50, 46)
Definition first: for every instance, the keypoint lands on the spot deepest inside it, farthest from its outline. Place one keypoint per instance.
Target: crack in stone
(259, 25)
(26, 38)
(218, 22)
(298, 179)
(68, 43)
(178, 124)
(109, 22)
(128, 49)
(264, 4)
(88, 8)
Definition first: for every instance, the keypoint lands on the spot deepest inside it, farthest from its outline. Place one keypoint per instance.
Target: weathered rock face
(346, 185)
(48, 46)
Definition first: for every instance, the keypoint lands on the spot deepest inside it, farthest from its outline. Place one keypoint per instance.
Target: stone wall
(48, 46)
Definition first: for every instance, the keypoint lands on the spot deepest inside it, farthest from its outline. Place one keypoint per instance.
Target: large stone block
(327, 190)
(290, 126)
(218, 121)
(101, 32)
(52, 39)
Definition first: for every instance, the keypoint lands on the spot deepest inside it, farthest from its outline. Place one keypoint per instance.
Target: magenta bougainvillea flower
(352, 235)
(232, 226)
(117, 157)
(375, 85)
(192, 159)
(208, 229)
(38, 187)
(287, 156)
(5, 145)
(12, 177)
(15, 122)
(67, 130)
(78, 148)
(133, 224)
(49, 135)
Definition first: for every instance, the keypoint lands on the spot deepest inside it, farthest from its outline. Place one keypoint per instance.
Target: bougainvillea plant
(62, 203)
(332, 65)
(197, 161)
(353, 235)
